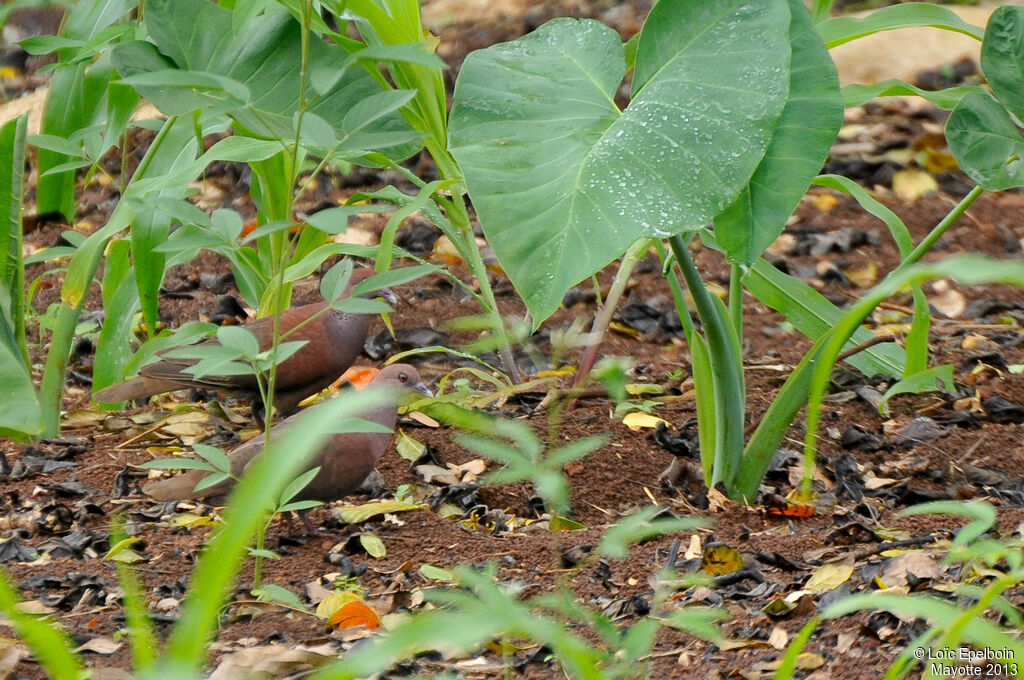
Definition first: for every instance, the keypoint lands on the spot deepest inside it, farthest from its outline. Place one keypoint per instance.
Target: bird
(345, 460)
(334, 341)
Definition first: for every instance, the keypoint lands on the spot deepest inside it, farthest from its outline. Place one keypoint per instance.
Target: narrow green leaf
(839, 30)
(857, 94)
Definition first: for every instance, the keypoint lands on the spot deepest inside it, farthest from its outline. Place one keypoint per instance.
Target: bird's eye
(403, 377)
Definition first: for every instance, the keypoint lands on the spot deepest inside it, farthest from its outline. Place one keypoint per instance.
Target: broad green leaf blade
(264, 56)
(12, 264)
(119, 292)
(1002, 57)
(20, 417)
(986, 143)
(564, 183)
(844, 29)
(805, 132)
(77, 93)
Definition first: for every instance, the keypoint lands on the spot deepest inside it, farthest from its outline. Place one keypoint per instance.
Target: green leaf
(1002, 57)
(373, 546)
(562, 191)
(334, 282)
(813, 315)
(298, 484)
(896, 226)
(264, 56)
(844, 29)
(239, 339)
(181, 92)
(801, 141)
(930, 380)
(214, 456)
(21, 416)
(429, 571)
(986, 143)
(77, 93)
(274, 593)
(856, 94)
(393, 277)
(641, 526)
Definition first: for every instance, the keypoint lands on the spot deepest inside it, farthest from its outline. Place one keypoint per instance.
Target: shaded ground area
(59, 496)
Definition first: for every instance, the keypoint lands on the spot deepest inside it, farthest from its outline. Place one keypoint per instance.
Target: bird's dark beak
(388, 295)
(423, 389)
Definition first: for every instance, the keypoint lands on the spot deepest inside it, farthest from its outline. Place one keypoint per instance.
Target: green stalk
(600, 327)
(937, 232)
(726, 370)
(677, 291)
(736, 299)
(471, 253)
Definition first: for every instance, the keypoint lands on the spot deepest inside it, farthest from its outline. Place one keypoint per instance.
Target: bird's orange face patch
(358, 376)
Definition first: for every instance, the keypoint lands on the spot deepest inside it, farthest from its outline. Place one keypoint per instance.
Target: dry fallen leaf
(919, 564)
(951, 303)
(355, 514)
(10, 655)
(829, 577)
(354, 614)
(100, 645)
(721, 559)
(638, 420)
(911, 184)
(272, 661)
(779, 638)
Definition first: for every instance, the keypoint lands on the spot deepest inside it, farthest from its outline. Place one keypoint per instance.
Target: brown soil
(62, 517)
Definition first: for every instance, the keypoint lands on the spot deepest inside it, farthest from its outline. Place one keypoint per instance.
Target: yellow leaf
(638, 389)
(638, 420)
(355, 514)
(721, 559)
(829, 577)
(912, 184)
(826, 202)
(334, 602)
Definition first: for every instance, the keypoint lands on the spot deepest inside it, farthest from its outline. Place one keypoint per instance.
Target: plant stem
(937, 232)
(471, 253)
(736, 299)
(600, 327)
(677, 293)
(726, 370)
